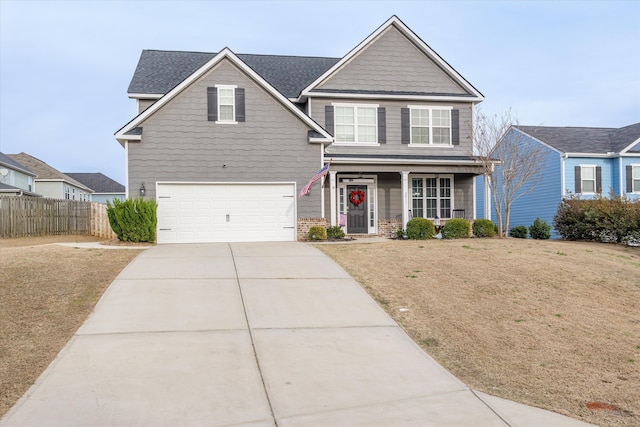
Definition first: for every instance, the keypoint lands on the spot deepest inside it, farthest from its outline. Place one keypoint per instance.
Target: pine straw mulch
(46, 293)
(552, 324)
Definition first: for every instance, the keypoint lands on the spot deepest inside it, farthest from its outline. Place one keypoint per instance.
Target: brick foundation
(304, 224)
(388, 227)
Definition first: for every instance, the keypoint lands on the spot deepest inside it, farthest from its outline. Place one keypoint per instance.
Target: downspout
(126, 169)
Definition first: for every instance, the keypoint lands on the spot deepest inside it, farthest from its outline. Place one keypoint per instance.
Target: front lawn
(552, 324)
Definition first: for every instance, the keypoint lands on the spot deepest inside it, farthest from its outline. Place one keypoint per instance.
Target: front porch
(380, 203)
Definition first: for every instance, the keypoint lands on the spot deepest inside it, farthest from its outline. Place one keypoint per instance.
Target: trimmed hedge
(519, 232)
(335, 232)
(607, 220)
(317, 233)
(540, 230)
(133, 220)
(420, 229)
(484, 228)
(456, 228)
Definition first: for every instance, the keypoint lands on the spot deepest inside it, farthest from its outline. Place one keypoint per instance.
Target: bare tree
(511, 163)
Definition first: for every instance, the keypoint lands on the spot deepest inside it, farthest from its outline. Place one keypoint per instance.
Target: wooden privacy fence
(22, 216)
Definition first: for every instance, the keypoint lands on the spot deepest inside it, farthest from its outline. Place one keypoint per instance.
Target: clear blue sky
(65, 65)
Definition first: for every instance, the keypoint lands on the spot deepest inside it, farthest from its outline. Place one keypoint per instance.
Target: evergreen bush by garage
(133, 220)
(540, 230)
(456, 228)
(420, 229)
(484, 228)
(519, 232)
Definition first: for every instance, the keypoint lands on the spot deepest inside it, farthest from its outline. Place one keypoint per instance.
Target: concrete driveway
(250, 334)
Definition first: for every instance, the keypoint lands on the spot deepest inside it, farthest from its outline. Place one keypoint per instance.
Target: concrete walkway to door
(250, 334)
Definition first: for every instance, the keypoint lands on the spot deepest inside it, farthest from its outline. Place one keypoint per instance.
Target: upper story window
(225, 104)
(430, 125)
(356, 124)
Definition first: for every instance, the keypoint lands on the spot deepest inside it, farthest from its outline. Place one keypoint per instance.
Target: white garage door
(223, 212)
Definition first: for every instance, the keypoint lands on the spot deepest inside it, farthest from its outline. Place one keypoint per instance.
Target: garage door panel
(225, 212)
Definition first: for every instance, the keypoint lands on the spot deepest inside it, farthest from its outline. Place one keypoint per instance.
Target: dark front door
(357, 213)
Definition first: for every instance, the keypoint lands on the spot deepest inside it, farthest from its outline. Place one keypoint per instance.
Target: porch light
(437, 221)
(142, 190)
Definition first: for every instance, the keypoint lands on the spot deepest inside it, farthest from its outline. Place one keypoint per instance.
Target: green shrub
(456, 228)
(133, 220)
(519, 232)
(420, 229)
(540, 230)
(484, 228)
(335, 232)
(607, 220)
(317, 233)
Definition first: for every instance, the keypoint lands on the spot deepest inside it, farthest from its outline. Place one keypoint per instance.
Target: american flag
(322, 172)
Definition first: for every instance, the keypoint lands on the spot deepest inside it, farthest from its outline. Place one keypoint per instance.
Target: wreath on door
(356, 197)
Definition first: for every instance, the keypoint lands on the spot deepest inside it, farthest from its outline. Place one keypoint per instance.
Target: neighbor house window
(635, 177)
(356, 124)
(430, 126)
(588, 179)
(431, 197)
(67, 192)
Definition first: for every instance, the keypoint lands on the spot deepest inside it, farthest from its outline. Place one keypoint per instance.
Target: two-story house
(225, 141)
(15, 178)
(578, 161)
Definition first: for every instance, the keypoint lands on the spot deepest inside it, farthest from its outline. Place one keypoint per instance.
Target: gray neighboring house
(104, 188)
(52, 183)
(15, 179)
(224, 142)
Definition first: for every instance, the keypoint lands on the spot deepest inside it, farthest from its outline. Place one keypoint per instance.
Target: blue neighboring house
(581, 161)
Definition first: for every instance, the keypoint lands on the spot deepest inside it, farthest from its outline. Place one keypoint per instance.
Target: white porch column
(332, 195)
(405, 199)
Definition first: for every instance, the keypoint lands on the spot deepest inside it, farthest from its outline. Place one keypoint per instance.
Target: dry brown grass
(46, 293)
(551, 324)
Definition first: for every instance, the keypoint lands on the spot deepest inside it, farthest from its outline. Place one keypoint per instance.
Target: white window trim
(438, 208)
(226, 122)
(369, 181)
(634, 166)
(355, 117)
(595, 179)
(430, 108)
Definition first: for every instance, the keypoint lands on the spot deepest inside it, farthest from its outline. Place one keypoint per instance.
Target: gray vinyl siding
(143, 104)
(389, 196)
(180, 144)
(463, 194)
(392, 63)
(393, 144)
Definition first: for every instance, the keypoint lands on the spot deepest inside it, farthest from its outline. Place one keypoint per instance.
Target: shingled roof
(45, 171)
(585, 139)
(8, 161)
(98, 182)
(159, 71)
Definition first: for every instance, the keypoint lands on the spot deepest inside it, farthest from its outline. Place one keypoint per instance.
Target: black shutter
(239, 93)
(382, 125)
(328, 119)
(629, 170)
(455, 127)
(578, 179)
(405, 125)
(598, 179)
(212, 104)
